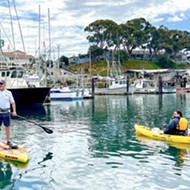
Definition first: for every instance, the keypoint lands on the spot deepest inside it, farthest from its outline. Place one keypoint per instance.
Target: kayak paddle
(47, 130)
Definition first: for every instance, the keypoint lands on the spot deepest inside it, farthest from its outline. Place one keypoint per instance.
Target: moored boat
(144, 86)
(22, 92)
(158, 134)
(30, 95)
(65, 94)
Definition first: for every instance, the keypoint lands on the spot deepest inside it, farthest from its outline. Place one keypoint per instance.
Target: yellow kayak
(18, 155)
(156, 133)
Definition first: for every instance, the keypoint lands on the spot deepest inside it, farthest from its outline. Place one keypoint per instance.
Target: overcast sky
(68, 18)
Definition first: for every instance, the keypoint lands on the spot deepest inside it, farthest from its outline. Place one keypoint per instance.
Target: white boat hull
(65, 94)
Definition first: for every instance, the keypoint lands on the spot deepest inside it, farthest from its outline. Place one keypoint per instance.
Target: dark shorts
(5, 119)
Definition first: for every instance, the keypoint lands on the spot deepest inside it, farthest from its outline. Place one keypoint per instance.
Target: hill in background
(100, 67)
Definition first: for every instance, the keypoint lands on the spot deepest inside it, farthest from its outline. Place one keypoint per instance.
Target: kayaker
(6, 99)
(178, 124)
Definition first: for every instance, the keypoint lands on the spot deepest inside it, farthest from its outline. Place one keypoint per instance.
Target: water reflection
(36, 111)
(48, 156)
(94, 145)
(5, 176)
(175, 151)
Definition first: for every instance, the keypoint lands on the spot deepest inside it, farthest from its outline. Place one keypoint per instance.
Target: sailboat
(15, 77)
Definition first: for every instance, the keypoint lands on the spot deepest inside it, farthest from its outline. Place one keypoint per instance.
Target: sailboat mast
(49, 55)
(12, 29)
(19, 26)
(39, 31)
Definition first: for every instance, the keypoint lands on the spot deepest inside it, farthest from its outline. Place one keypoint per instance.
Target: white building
(18, 57)
(78, 60)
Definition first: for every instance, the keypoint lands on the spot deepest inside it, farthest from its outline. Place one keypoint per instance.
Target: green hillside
(100, 67)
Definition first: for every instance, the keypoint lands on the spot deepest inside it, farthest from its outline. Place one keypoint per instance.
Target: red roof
(18, 55)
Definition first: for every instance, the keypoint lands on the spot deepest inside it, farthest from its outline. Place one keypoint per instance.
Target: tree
(102, 33)
(95, 52)
(178, 41)
(123, 56)
(165, 62)
(156, 41)
(63, 60)
(135, 33)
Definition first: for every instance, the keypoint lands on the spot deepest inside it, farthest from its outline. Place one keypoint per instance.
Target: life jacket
(182, 125)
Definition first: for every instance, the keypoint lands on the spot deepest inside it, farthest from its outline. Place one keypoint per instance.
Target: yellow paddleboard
(18, 155)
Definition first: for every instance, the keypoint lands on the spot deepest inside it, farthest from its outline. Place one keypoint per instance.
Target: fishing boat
(144, 86)
(117, 84)
(115, 80)
(166, 89)
(14, 74)
(183, 89)
(113, 86)
(22, 91)
(87, 94)
(66, 94)
(156, 133)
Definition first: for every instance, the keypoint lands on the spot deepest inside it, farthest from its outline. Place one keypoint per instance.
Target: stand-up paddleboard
(18, 155)
(20, 165)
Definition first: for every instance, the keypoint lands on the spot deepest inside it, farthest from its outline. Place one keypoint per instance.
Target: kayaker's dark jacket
(174, 128)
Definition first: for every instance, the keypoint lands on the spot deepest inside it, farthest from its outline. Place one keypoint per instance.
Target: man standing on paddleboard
(6, 99)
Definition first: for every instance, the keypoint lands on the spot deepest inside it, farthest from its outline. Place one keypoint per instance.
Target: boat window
(20, 74)
(144, 85)
(14, 74)
(152, 84)
(3, 74)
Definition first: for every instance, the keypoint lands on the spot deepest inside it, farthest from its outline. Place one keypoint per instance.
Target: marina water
(94, 145)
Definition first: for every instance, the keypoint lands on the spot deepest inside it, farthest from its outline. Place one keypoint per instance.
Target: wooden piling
(160, 84)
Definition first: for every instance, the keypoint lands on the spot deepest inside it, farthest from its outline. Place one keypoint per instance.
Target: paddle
(44, 128)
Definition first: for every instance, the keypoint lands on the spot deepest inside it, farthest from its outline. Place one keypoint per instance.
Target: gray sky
(68, 18)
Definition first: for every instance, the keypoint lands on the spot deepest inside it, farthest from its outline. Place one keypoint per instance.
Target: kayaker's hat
(2, 81)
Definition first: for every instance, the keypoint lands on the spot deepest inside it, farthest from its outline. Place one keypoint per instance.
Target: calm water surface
(94, 146)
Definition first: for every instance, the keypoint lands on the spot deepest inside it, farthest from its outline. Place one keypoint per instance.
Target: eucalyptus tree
(180, 41)
(158, 41)
(106, 35)
(186, 41)
(135, 34)
(95, 51)
(63, 60)
(102, 33)
(154, 42)
(174, 41)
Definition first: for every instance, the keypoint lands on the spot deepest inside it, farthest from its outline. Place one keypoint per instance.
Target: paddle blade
(47, 130)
